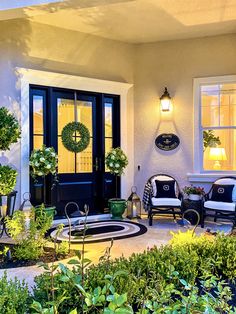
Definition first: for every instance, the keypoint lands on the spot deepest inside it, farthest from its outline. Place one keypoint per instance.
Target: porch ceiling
(140, 21)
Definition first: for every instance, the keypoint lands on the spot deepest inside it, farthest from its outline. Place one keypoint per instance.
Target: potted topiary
(44, 162)
(116, 161)
(7, 184)
(9, 134)
(194, 193)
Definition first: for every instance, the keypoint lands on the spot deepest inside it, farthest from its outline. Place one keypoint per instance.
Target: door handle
(96, 165)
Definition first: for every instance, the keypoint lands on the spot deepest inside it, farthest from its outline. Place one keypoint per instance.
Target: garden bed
(48, 256)
(190, 275)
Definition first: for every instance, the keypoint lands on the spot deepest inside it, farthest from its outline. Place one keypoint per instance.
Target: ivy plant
(9, 129)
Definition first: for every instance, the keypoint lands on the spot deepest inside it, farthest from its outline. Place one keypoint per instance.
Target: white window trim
(30, 76)
(198, 174)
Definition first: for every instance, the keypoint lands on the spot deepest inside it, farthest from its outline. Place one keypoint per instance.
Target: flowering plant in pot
(194, 193)
(116, 161)
(43, 162)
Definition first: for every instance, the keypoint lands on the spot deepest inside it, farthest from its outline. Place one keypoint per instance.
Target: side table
(197, 205)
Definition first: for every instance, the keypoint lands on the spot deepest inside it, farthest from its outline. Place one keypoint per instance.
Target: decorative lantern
(134, 204)
(26, 207)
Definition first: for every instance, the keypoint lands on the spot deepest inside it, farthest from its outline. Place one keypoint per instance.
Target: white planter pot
(194, 197)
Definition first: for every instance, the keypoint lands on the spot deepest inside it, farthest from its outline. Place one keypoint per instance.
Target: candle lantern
(134, 204)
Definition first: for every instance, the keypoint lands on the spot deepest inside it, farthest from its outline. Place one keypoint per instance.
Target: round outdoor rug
(100, 231)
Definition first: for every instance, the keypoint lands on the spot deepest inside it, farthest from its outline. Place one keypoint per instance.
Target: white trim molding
(198, 174)
(30, 76)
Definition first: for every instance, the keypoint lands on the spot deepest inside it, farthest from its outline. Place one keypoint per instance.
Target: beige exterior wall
(150, 67)
(46, 48)
(173, 64)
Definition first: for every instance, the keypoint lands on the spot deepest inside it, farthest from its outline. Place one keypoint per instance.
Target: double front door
(82, 177)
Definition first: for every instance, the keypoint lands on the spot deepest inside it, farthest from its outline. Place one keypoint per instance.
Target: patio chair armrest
(181, 196)
(206, 197)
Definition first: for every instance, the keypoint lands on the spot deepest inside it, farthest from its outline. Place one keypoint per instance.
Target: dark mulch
(48, 257)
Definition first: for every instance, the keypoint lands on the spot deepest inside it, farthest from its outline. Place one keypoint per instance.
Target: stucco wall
(173, 64)
(42, 47)
(150, 67)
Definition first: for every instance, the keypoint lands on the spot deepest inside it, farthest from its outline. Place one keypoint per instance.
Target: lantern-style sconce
(134, 204)
(165, 101)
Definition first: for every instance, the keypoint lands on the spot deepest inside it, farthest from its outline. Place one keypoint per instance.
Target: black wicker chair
(220, 208)
(164, 205)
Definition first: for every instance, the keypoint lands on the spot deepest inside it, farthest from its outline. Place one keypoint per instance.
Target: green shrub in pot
(116, 161)
(7, 179)
(43, 162)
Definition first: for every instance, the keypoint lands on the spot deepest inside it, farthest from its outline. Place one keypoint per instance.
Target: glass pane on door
(38, 127)
(84, 160)
(108, 128)
(69, 162)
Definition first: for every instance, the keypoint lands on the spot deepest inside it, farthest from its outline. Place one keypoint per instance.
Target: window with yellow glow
(218, 127)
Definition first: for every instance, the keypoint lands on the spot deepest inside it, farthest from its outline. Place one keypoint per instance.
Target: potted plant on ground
(7, 184)
(9, 134)
(44, 162)
(194, 193)
(116, 161)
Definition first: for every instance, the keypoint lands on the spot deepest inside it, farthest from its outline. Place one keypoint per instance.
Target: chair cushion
(228, 181)
(222, 193)
(162, 177)
(220, 206)
(165, 189)
(166, 202)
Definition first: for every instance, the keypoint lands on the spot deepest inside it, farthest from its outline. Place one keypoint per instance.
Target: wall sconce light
(165, 101)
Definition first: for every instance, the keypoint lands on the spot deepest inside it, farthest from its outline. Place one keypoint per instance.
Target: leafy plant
(43, 162)
(62, 248)
(116, 161)
(210, 140)
(14, 296)
(182, 277)
(9, 129)
(7, 179)
(29, 242)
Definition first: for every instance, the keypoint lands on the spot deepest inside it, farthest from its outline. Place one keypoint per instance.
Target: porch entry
(83, 177)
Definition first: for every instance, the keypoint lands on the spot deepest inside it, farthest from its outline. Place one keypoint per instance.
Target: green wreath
(68, 133)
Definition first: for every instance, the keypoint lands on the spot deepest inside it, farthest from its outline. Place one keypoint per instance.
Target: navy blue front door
(82, 176)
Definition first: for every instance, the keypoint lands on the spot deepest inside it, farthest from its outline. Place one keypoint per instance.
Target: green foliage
(185, 276)
(116, 161)
(67, 136)
(7, 179)
(209, 139)
(9, 129)
(62, 248)
(14, 296)
(182, 277)
(43, 161)
(29, 242)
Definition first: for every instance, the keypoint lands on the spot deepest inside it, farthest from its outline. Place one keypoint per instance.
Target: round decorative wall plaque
(167, 141)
